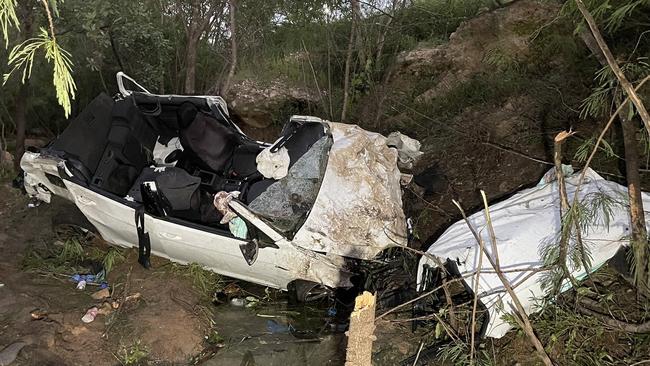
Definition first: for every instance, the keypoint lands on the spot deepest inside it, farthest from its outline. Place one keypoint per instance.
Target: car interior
(109, 147)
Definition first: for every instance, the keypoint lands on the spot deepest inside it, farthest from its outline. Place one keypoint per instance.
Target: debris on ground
(101, 294)
(408, 149)
(90, 315)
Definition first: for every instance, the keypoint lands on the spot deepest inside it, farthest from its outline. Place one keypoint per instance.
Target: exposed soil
(161, 318)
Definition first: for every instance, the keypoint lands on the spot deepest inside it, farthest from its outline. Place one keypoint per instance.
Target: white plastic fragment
(274, 165)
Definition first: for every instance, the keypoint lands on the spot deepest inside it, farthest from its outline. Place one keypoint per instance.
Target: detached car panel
(162, 158)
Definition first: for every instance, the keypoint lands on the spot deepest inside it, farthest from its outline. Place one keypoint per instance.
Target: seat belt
(144, 243)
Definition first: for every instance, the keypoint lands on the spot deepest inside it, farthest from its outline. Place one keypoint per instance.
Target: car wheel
(301, 291)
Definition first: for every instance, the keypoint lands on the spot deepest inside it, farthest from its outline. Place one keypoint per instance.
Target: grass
(457, 354)
(6, 173)
(204, 281)
(135, 354)
(109, 258)
(577, 339)
(67, 256)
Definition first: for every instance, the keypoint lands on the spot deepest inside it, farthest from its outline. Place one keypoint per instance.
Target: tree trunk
(232, 4)
(639, 233)
(20, 118)
(22, 99)
(116, 54)
(348, 60)
(190, 60)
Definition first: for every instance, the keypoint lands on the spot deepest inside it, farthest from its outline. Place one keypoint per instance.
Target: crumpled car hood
(358, 211)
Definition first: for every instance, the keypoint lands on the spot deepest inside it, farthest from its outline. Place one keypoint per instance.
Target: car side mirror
(250, 249)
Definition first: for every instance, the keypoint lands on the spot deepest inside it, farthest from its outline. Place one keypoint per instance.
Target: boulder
(261, 104)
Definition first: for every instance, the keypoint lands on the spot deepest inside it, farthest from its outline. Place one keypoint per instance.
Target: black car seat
(207, 143)
(129, 148)
(178, 194)
(84, 140)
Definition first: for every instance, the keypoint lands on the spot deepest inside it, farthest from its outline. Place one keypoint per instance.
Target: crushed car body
(147, 170)
(527, 224)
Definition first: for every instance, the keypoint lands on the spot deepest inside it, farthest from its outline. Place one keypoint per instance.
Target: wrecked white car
(174, 176)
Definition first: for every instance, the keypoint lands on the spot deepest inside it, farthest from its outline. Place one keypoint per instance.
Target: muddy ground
(168, 319)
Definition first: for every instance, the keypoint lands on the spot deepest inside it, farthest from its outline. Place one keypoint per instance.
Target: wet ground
(166, 315)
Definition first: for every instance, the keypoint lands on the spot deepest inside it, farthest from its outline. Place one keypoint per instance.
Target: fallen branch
(615, 323)
(525, 321)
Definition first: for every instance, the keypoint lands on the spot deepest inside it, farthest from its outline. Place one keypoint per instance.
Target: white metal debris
(524, 225)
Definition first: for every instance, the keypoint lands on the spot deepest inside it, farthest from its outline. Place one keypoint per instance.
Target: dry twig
(474, 306)
(520, 311)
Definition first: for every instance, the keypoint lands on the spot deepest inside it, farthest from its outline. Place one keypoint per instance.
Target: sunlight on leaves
(22, 56)
(8, 18)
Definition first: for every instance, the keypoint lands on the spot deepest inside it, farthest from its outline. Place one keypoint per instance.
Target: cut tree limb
(361, 332)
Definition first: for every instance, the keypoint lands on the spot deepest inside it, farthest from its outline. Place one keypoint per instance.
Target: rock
(9, 353)
(478, 45)
(101, 294)
(6, 159)
(35, 142)
(260, 104)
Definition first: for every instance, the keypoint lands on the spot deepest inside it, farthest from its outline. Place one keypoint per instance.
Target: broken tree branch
(599, 140)
(625, 84)
(565, 230)
(475, 305)
(615, 323)
(527, 327)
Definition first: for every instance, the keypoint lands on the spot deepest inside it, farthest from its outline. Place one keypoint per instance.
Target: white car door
(219, 251)
(114, 220)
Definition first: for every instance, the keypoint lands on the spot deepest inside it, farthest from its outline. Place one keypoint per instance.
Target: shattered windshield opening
(287, 202)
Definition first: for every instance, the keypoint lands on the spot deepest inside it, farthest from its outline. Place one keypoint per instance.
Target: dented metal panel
(37, 185)
(358, 211)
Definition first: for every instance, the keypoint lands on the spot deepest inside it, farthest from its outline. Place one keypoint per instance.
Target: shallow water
(277, 334)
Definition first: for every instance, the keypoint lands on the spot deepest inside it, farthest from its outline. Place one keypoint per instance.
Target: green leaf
(439, 330)
(8, 18)
(22, 57)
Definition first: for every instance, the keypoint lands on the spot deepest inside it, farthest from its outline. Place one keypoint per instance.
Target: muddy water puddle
(278, 334)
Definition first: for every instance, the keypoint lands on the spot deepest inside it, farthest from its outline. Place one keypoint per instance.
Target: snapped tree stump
(361, 332)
